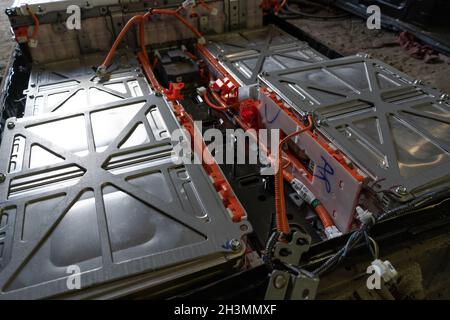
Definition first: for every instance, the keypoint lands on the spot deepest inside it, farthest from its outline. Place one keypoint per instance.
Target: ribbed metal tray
(98, 189)
(392, 126)
(248, 53)
(72, 85)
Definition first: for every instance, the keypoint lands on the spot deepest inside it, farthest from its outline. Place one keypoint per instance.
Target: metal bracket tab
(285, 286)
(291, 253)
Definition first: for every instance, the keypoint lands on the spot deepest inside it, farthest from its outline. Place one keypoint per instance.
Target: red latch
(174, 92)
(249, 112)
(21, 34)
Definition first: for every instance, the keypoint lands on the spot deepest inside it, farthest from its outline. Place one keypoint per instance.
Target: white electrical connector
(201, 91)
(188, 3)
(201, 41)
(214, 11)
(303, 191)
(306, 195)
(385, 270)
(32, 43)
(332, 232)
(364, 216)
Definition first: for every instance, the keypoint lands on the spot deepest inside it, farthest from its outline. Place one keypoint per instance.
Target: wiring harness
(363, 232)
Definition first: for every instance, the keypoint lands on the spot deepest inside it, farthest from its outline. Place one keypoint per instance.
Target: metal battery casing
(394, 128)
(70, 85)
(248, 53)
(97, 189)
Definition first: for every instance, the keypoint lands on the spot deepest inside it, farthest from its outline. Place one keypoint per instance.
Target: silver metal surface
(393, 127)
(98, 189)
(248, 53)
(72, 85)
(286, 286)
(338, 192)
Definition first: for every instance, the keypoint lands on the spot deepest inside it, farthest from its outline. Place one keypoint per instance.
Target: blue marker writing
(325, 171)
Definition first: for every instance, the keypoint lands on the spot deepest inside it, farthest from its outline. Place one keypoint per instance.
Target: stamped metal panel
(72, 85)
(390, 125)
(248, 53)
(330, 182)
(98, 189)
(45, 6)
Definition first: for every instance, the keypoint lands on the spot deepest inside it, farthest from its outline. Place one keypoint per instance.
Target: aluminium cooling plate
(248, 53)
(392, 126)
(97, 189)
(72, 84)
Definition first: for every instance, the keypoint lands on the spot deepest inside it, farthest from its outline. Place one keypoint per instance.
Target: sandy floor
(350, 36)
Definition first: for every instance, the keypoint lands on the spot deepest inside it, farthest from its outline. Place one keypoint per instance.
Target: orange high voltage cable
(221, 107)
(280, 201)
(142, 19)
(320, 210)
(36, 24)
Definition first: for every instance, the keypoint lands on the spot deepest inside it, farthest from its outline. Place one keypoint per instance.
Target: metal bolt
(279, 282)
(444, 97)
(11, 125)
(32, 84)
(321, 122)
(363, 55)
(2, 178)
(401, 190)
(235, 245)
(158, 94)
(418, 82)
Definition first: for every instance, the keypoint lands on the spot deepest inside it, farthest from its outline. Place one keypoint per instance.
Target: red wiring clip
(224, 85)
(174, 92)
(249, 112)
(227, 89)
(21, 34)
(267, 5)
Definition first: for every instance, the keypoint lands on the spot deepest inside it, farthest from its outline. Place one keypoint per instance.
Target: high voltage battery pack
(392, 127)
(97, 189)
(248, 53)
(71, 85)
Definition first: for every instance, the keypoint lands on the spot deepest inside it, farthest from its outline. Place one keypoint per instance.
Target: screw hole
(301, 242)
(305, 294)
(285, 252)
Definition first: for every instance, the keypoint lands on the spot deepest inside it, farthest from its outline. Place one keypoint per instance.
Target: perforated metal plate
(393, 127)
(248, 53)
(98, 189)
(72, 85)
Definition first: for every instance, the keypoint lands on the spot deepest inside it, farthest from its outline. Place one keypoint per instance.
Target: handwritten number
(325, 171)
